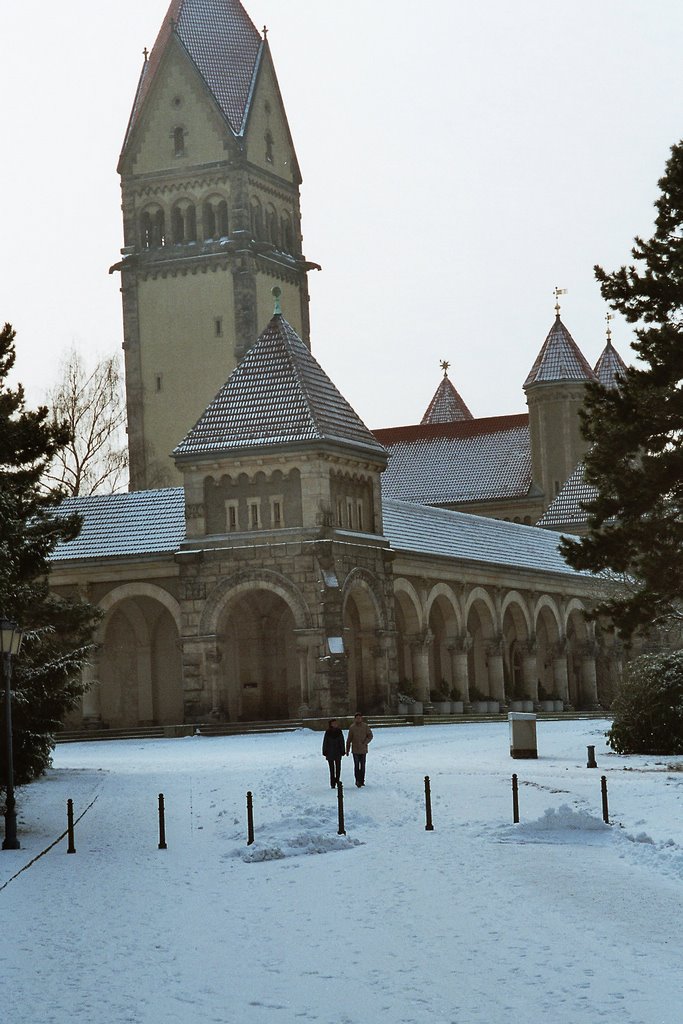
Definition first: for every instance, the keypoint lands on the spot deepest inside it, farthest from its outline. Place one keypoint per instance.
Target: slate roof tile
(124, 525)
(446, 406)
(278, 394)
(565, 510)
(471, 460)
(559, 359)
(609, 366)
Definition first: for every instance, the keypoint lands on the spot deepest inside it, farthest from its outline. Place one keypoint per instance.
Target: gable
(268, 141)
(178, 99)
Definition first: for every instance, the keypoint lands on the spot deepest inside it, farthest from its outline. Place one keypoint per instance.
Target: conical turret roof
(223, 44)
(278, 395)
(446, 406)
(609, 366)
(559, 359)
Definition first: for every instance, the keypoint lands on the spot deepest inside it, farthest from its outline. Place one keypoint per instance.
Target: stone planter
(558, 705)
(493, 707)
(480, 707)
(547, 705)
(417, 708)
(525, 706)
(457, 707)
(405, 709)
(443, 707)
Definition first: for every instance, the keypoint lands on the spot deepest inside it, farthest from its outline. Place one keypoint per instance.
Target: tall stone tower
(210, 198)
(555, 390)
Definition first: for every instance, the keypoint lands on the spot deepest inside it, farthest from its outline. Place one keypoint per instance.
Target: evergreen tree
(635, 525)
(45, 676)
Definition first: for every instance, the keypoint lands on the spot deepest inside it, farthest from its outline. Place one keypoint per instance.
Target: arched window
(222, 219)
(190, 223)
(152, 228)
(178, 141)
(256, 212)
(287, 235)
(209, 220)
(272, 225)
(178, 225)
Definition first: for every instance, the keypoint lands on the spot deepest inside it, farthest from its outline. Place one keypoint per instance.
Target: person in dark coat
(333, 750)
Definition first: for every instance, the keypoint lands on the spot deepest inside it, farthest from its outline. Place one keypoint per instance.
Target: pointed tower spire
(446, 406)
(610, 366)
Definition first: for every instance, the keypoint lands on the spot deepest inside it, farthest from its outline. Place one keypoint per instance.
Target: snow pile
(312, 832)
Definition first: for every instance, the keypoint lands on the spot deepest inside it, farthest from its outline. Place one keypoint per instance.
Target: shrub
(648, 707)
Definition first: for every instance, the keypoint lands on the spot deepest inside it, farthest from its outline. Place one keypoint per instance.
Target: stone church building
(274, 558)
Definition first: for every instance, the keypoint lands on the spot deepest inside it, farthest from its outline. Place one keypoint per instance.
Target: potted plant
(479, 701)
(406, 701)
(457, 705)
(440, 701)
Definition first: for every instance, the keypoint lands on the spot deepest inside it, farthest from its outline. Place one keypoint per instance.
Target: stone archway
(581, 658)
(519, 667)
(259, 671)
(444, 627)
(411, 643)
(551, 655)
(138, 670)
(367, 682)
(485, 668)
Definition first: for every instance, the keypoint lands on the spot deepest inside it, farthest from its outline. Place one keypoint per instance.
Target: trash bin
(522, 735)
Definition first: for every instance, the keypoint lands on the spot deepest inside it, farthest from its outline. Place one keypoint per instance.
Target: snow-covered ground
(558, 920)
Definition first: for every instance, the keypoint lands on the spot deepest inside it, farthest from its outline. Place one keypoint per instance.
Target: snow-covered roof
(559, 359)
(449, 463)
(436, 531)
(565, 510)
(446, 406)
(124, 525)
(609, 366)
(277, 395)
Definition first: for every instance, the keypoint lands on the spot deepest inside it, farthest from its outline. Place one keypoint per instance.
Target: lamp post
(10, 642)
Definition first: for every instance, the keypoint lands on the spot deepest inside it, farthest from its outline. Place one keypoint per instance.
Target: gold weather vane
(557, 292)
(609, 317)
(444, 364)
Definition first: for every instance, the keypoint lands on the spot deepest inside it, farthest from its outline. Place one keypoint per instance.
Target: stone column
(494, 658)
(303, 648)
(458, 648)
(589, 678)
(214, 658)
(530, 669)
(419, 648)
(560, 673)
(380, 653)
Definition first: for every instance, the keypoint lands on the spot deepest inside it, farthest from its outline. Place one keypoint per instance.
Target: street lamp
(10, 642)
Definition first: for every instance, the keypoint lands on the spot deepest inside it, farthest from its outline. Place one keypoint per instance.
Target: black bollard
(429, 827)
(71, 848)
(605, 808)
(162, 823)
(592, 763)
(515, 800)
(341, 831)
(250, 819)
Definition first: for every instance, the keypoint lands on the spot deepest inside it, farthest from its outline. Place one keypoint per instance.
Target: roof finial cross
(609, 317)
(145, 54)
(276, 293)
(265, 32)
(557, 292)
(444, 364)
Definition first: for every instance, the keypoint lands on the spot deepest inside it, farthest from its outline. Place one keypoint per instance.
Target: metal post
(605, 808)
(250, 819)
(429, 827)
(341, 831)
(10, 841)
(162, 823)
(70, 826)
(515, 800)
(592, 763)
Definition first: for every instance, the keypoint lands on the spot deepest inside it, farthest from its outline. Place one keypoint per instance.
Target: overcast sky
(460, 160)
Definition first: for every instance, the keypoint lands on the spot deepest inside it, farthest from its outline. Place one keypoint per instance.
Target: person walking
(360, 735)
(333, 750)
